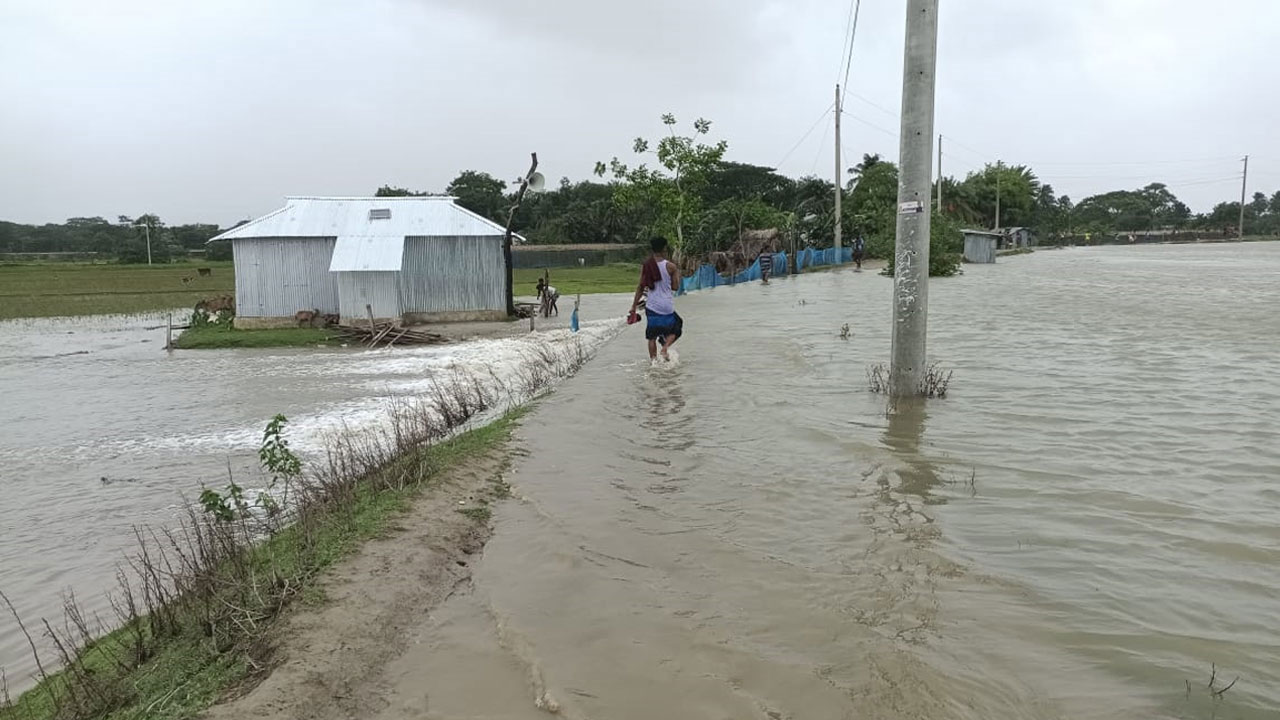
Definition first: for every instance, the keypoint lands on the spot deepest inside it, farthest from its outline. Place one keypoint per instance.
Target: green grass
(186, 673)
(614, 278)
(57, 289)
(214, 337)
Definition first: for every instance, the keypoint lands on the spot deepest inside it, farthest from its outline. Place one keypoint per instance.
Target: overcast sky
(213, 111)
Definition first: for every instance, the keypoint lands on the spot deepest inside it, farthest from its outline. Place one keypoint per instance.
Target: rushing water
(1086, 526)
(102, 431)
(1082, 529)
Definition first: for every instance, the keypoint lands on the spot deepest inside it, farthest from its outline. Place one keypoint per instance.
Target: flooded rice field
(1086, 526)
(104, 431)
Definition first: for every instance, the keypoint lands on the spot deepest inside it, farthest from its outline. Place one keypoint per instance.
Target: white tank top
(661, 299)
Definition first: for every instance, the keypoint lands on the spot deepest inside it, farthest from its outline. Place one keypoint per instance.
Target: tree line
(680, 186)
(124, 240)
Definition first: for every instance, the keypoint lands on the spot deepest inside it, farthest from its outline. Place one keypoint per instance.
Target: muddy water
(1081, 530)
(102, 431)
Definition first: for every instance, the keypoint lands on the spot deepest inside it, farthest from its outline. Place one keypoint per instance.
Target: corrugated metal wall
(277, 277)
(980, 248)
(450, 274)
(378, 289)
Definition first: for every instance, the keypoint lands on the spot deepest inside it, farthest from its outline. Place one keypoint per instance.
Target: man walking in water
(859, 249)
(660, 281)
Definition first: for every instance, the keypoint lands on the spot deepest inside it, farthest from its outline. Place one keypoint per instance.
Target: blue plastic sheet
(707, 277)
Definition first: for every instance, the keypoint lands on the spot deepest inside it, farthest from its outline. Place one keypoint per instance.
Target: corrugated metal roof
(367, 252)
(350, 217)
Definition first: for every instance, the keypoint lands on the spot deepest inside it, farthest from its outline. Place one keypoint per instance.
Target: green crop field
(57, 289)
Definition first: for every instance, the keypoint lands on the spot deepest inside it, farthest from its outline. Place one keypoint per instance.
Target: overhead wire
(806, 134)
(821, 147)
(853, 34)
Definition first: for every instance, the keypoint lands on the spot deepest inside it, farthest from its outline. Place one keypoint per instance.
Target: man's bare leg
(670, 340)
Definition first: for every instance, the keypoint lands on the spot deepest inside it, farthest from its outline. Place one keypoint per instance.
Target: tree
(1258, 207)
(744, 181)
(871, 207)
(675, 194)
(722, 225)
(1016, 186)
(481, 193)
(390, 191)
(869, 160)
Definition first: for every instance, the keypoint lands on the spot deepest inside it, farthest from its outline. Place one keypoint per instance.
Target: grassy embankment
(192, 648)
(59, 289)
(213, 337)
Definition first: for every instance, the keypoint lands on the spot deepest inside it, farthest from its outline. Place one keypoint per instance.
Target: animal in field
(205, 272)
(216, 305)
(306, 318)
(330, 319)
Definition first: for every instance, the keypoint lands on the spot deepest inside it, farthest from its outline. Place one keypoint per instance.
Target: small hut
(980, 245)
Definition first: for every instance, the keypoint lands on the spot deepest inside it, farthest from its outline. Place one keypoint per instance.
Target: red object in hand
(633, 318)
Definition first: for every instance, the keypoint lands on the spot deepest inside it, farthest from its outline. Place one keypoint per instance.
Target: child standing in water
(660, 281)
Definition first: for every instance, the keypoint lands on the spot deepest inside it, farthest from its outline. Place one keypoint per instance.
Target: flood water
(1084, 528)
(102, 431)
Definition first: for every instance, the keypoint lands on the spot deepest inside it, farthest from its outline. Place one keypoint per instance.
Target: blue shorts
(660, 326)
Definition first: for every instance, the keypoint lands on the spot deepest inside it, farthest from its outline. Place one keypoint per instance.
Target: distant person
(859, 250)
(766, 265)
(659, 283)
(548, 296)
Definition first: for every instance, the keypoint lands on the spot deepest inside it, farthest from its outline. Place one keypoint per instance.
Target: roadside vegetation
(196, 605)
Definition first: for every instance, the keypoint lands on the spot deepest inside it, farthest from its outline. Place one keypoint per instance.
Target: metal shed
(410, 259)
(980, 245)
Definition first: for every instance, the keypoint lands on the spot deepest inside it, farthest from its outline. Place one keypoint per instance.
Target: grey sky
(213, 111)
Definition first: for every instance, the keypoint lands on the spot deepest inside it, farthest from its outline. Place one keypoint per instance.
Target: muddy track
(331, 658)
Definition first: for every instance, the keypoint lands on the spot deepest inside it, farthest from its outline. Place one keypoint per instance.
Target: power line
(805, 136)
(846, 48)
(891, 113)
(821, 146)
(1221, 159)
(869, 124)
(853, 34)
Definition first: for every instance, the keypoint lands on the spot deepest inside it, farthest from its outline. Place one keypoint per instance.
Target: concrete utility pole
(146, 227)
(839, 178)
(915, 160)
(997, 227)
(1244, 180)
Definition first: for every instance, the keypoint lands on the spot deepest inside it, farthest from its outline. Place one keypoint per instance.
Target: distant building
(405, 259)
(1017, 237)
(980, 245)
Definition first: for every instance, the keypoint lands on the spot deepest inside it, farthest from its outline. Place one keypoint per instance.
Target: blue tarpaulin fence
(707, 277)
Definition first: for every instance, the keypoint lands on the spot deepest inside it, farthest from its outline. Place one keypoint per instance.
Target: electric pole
(939, 173)
(915, 160)
(839, 177)
(997, 227)
(1244, 179)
